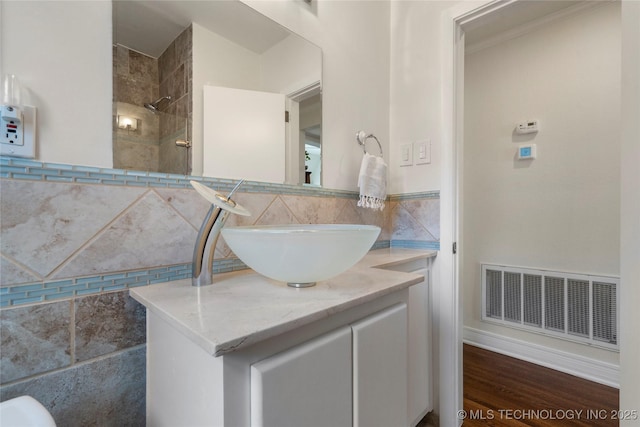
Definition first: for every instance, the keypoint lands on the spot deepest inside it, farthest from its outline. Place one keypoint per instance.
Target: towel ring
(362, 138)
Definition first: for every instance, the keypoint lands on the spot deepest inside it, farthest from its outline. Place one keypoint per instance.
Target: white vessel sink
(301, 254)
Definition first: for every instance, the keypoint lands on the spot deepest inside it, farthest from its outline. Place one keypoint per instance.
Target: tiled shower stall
(139, 79)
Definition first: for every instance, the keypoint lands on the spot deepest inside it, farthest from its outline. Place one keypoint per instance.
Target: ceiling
(514, 15)
(150, 26)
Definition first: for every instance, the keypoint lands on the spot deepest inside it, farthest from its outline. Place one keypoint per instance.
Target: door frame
(454, 22)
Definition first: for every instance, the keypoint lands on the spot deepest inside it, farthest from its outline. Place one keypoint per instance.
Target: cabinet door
(308, 385)
(380, 369)
(419, 401)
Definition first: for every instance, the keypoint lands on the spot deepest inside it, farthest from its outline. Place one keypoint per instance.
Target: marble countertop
(242, 308)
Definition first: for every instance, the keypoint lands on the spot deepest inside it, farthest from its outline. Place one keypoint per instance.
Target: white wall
(561, 210)
(354, 37)
(217, 62)
(415, 100)
(61, 52)
(290, 65)
(220, 62)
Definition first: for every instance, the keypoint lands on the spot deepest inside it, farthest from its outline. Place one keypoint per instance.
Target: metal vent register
(577, 307)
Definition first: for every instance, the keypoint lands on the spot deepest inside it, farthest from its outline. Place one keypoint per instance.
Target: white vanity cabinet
(420, 347)
(380, 369)
(248, 351)
(308, 385)
(356, 375)
(420, 350)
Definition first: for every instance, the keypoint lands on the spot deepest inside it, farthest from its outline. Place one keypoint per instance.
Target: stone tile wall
(135, 82)
(83, 359)
(415, 220)
(140, 79)
(175, 80)
(74, 239)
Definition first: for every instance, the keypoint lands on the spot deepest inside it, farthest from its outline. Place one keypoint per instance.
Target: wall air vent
(576, 307)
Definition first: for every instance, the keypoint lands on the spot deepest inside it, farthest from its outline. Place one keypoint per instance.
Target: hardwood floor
(503, 391)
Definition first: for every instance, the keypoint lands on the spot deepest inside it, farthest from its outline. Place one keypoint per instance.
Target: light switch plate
(406, 155)
(422, 151)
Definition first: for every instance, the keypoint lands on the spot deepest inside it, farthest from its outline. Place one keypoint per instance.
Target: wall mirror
(166, 57)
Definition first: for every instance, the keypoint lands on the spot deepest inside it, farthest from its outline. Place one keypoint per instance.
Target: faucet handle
(220, 200)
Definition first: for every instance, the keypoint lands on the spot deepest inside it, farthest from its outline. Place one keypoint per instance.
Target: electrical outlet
(18, 132)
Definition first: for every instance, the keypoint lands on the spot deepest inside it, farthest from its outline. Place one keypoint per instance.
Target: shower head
(155, 106)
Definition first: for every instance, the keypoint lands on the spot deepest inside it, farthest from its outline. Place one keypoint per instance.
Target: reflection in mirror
(311, 137)
(153, 95)
(164, 55)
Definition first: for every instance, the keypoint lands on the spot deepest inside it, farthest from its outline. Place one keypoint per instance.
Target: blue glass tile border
(32, 293)
(25, 169)
(381, 244)
(414, 196)
(416, 244)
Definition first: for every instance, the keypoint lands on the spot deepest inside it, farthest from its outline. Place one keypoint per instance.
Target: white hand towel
(372, 181)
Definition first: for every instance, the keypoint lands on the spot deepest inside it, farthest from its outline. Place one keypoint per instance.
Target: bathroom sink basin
(301, 254)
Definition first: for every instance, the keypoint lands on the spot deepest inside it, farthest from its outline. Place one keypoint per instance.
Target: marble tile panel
(105, 392)
(13, 274)
(148, 234)
(426, 212)
(182, 111)
(34, 339)
(256, 203)
(173, 159)
(143, 67)
(133, 155)
(133, 92)
(189, 204)
(407, 228)
(107, 323)
(167, 62)
(352, 214)
(184, 44)
(42, 224)
(121, 60)
(167, 88)
(179, 82)
(168, 121)
(314, 210)
(277, 213)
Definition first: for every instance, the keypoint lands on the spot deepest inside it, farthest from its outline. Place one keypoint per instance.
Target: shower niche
(152, 108)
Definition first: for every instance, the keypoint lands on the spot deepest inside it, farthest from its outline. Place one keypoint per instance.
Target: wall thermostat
(527, 127)
(526, 152)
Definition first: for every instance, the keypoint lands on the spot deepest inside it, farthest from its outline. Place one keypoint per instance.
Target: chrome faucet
(221, 207)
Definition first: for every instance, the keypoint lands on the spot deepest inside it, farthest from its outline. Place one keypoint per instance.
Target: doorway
(459, 21)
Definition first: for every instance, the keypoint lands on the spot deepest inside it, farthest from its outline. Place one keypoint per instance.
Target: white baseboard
(580, 366)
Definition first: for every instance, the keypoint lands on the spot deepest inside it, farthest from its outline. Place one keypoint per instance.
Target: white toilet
(24, 411)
